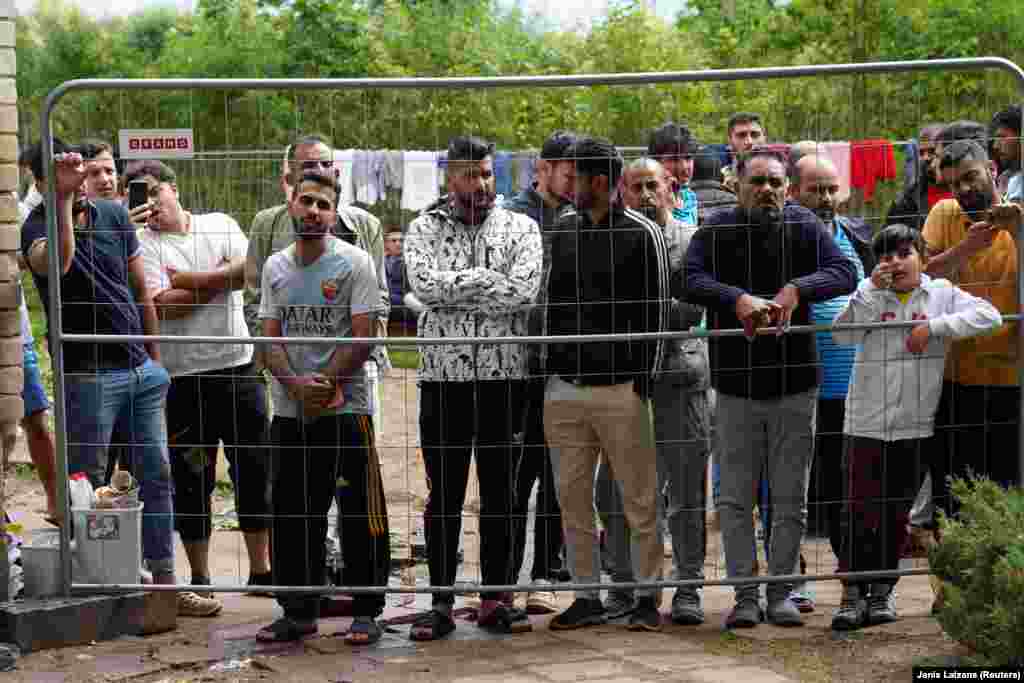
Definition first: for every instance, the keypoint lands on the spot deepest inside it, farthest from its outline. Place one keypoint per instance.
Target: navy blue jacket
(729, 257)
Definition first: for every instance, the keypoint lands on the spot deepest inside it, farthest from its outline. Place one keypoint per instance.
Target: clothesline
(366, 176)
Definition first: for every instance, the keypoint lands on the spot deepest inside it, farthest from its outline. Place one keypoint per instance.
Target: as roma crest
(329, 289)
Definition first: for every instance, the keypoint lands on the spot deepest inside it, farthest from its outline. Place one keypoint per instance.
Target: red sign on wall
(156, 143)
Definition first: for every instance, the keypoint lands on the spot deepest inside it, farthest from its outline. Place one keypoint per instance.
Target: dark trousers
(882, 480)
(456, 420)
(313, 463)
(202, 409)
(976, 428)
(534, 465)
(825, 493)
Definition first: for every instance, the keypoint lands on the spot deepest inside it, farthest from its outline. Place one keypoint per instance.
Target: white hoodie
(894, 393)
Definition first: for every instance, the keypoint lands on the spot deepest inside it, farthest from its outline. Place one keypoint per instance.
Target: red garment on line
(936, 194)
(871, 161)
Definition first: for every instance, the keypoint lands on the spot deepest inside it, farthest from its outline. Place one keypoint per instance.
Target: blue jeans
(124, 409)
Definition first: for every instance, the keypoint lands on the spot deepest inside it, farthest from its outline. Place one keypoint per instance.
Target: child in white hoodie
(890, 409)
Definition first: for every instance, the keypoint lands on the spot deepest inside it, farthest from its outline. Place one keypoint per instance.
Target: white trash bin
(108, 544)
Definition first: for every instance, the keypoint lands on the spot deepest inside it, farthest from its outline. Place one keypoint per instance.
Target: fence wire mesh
(219, 404)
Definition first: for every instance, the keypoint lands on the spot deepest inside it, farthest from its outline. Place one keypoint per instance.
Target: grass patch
(404, 357)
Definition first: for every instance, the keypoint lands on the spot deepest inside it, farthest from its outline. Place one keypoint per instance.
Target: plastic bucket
(108, 544)
(40, 562)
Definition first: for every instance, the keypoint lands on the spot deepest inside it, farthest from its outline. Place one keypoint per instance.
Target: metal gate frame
(57, 335)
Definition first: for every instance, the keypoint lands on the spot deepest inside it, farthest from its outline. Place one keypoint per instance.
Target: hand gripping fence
(58, 337)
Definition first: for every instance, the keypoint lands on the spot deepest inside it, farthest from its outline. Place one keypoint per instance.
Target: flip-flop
(364, 631)
(431, 626)
(55, 520)
(286, 630)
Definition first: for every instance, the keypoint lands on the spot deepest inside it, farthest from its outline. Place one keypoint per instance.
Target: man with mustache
(972, 241)
(477, 269)
(322, 286)
(608, 276)
(681, 414)
(767, 385)
(912, 206)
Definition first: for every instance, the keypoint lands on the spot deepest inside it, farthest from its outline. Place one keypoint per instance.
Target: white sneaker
(542, 602)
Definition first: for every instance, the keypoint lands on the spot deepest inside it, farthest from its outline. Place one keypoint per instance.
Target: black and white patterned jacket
(475, 281)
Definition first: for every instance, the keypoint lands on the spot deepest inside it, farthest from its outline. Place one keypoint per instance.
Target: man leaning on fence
(321, 286)
(194, 265)
(114, 392)
(767, 385)
(609, 275)
(477, 268)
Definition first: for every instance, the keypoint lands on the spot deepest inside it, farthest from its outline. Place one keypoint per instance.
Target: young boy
(890, 409)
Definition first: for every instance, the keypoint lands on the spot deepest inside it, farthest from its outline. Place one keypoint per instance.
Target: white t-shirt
(212, 241)
(319, 300)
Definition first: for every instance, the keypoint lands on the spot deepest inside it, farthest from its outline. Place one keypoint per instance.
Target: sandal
(504, 619)
(364, 631)
(286, 630)
(431, 626)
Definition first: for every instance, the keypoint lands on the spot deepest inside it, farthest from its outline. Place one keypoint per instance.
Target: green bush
(980, 561)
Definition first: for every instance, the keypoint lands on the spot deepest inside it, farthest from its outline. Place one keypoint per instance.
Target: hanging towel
(911, 165)
(361, 174)
(871, 161)
(420, 182)
(393, 170)
(503, 174)
(343, 162)
(525, 171)
(839, 153)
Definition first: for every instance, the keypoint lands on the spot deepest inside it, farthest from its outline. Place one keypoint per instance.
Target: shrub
(980, 560)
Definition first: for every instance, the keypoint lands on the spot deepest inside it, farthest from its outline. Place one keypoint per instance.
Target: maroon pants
(882, 479)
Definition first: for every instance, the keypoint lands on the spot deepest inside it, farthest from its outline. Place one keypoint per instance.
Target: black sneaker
(853, 611)
(645, 616)
(582, 612)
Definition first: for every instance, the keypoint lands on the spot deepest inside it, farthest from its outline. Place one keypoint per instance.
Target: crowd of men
(670, 242)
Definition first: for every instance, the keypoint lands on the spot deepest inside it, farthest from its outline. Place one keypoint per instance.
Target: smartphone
(138, 193)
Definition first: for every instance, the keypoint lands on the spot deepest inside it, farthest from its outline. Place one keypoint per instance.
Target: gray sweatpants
(682, 431)
(778, 437)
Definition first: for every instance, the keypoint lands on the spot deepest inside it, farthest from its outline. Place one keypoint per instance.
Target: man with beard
(549, 196)
(608, 276)
(477, 269)
(767, 385)
(681, 418)
(814, 184)
(1004, 134)
(973, 243)
(321, 286)
(912, 206)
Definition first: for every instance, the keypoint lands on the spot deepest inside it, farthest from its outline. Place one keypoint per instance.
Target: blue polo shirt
(96, 296)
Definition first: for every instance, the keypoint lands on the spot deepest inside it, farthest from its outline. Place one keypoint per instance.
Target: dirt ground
(808, 654)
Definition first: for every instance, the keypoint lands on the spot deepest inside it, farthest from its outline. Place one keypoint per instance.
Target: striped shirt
(836, 360)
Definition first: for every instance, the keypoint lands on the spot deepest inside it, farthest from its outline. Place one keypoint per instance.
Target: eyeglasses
(317, 163)
(307, 201)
